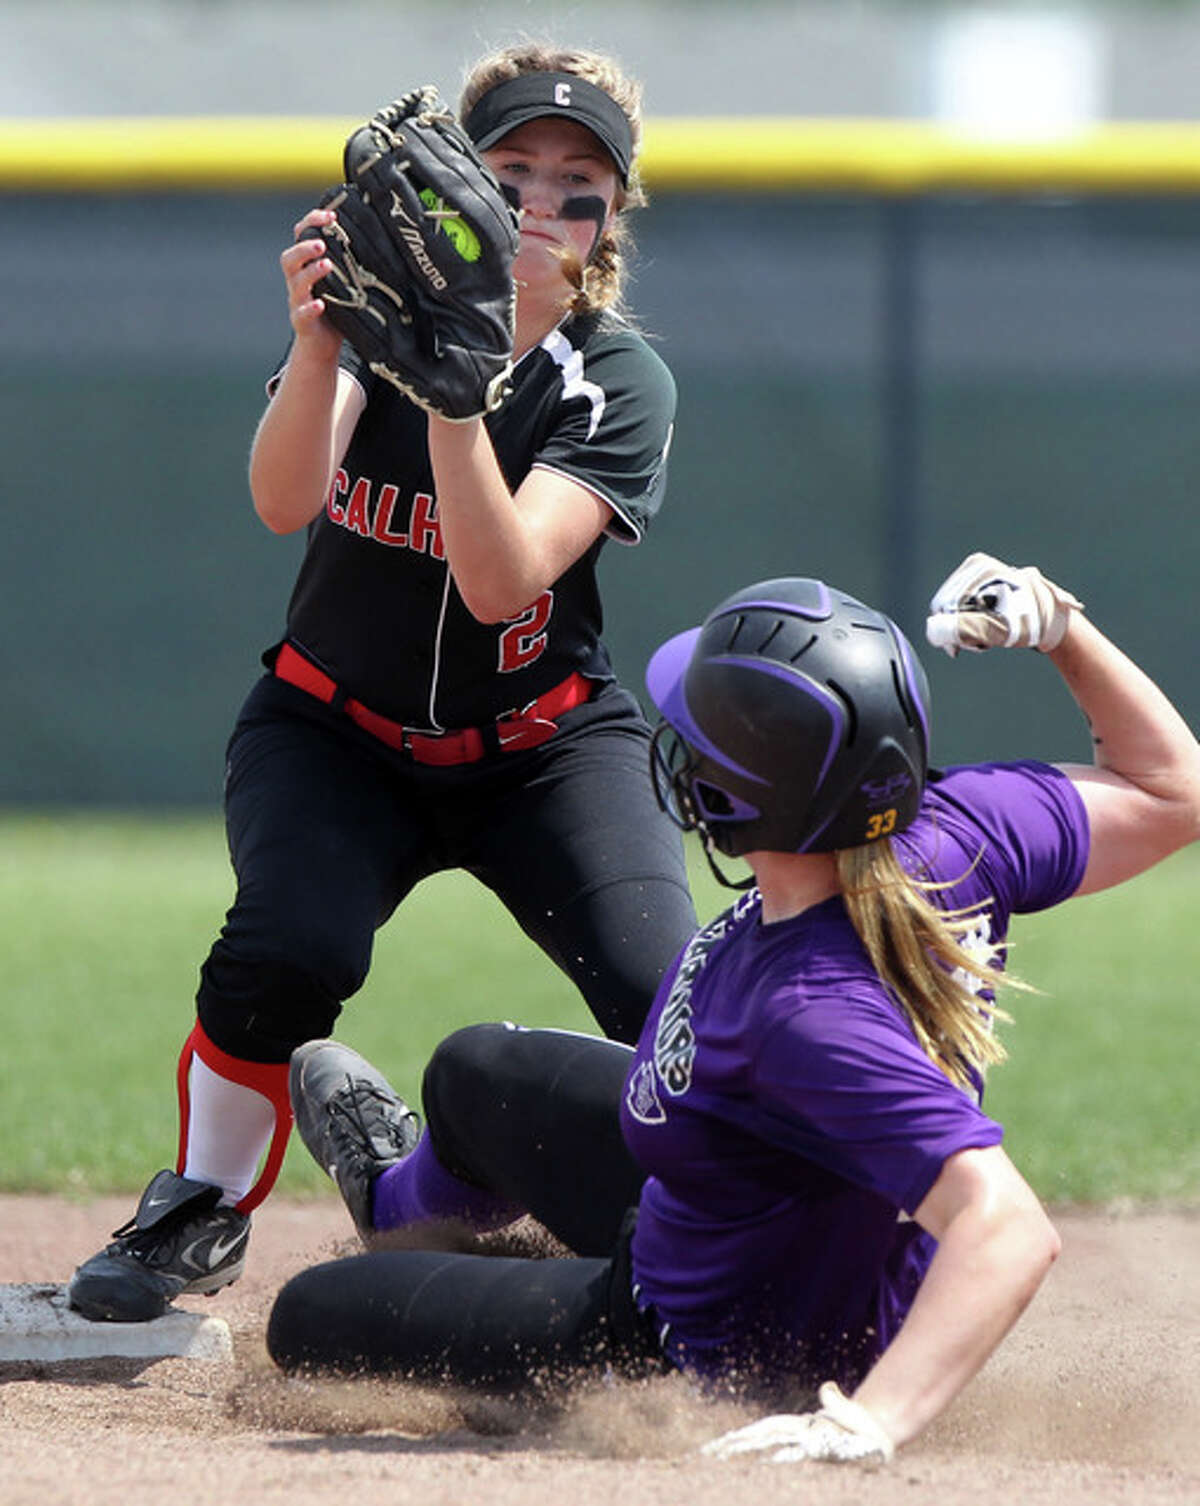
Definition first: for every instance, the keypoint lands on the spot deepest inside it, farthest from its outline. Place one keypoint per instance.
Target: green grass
(1099, 1096)
(106, 921)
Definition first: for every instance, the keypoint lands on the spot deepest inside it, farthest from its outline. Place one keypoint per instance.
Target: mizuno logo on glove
(415, 242)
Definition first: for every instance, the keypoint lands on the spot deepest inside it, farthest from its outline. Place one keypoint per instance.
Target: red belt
(511, 733)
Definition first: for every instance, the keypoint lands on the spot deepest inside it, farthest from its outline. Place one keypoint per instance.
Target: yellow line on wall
(898, 157)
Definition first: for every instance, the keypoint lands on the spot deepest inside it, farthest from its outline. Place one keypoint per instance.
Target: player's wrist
(873, 1423)
(316, 347)
(1056, 609)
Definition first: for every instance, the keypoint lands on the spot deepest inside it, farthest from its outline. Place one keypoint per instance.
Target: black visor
(532, 95)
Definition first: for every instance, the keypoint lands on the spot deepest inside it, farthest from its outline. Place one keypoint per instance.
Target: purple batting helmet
(795, 719)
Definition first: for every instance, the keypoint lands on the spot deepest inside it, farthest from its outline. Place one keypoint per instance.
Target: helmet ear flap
(887, 797)
(716, 803)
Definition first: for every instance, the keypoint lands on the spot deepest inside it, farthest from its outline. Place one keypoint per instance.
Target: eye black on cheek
(586, 207)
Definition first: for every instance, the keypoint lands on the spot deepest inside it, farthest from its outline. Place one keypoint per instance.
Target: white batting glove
(842, 1432)
(988, 604)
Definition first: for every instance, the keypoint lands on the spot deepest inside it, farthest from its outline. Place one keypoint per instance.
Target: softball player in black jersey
(441, 697)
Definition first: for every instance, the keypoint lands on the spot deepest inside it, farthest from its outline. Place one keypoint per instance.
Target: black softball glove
(422, 256)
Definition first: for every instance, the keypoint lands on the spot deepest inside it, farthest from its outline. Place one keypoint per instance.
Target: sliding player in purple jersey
(825, 1217)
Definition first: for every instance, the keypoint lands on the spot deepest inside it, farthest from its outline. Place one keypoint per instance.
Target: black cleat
(178, 1241)
(353, 1123)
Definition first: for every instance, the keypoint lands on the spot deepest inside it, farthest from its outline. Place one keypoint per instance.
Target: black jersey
(374, 603)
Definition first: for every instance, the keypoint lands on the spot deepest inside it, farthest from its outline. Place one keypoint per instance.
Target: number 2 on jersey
(524, 638)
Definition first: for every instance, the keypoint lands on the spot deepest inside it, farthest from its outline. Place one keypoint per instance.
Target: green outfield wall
(891, 347)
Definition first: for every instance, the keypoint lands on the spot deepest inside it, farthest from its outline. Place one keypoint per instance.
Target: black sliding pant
(530, 1115)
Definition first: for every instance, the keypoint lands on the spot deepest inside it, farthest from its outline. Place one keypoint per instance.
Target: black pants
(329, 830)
(545, 1135)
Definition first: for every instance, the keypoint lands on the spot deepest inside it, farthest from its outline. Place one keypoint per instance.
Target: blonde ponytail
(930, 959)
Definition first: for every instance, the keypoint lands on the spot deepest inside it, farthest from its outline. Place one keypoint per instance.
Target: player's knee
(462, 1066)
(261, 1011)
(297, 1333)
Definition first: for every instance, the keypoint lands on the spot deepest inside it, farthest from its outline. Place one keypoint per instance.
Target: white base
(37, 1324)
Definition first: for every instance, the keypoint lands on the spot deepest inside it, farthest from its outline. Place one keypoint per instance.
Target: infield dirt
(1094, 1397)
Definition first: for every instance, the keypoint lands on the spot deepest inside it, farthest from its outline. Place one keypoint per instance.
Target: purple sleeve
(844, 1083)
(1015, 834)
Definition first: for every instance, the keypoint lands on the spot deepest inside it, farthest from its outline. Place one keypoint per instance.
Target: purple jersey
(787, 1117)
